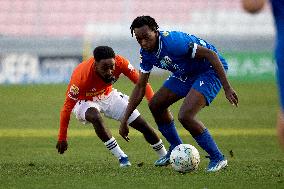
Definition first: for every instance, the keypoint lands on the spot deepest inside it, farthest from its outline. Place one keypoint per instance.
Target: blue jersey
(278, 12)
(176, 53)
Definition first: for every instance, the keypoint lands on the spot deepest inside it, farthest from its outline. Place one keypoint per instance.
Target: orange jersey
(85, 84)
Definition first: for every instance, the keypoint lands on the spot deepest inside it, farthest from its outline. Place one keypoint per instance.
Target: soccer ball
(185, 158)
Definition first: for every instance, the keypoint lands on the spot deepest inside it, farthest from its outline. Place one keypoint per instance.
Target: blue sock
(208, 144)
(170, 133)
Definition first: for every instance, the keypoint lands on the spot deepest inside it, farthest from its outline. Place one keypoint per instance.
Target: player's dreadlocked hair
(142, 21)
(103, 52)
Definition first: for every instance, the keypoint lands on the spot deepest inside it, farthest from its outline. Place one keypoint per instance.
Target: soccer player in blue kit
(198, 73)
(253, 6)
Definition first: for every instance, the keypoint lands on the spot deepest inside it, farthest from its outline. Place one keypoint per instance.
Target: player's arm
(132, 74)
(70, 101)
(134, 100)
(199, 52)
(65, 113)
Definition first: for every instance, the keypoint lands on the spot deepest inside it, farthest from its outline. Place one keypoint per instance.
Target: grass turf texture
(28, 132)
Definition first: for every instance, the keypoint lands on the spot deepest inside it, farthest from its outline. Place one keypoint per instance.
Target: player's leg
(280, 128)
(87, 111)
(192, 104)
(163, 98)
(158, 105)
(93, 116)
(117, 106)
(203, 91)
(150, 135)
(280, 81)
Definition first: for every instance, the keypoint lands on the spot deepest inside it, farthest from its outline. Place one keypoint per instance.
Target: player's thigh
(93, 115)
(208, 84)
(82, 107)
(116, 107)
(192, 104)
(203, 91)
(165, 96)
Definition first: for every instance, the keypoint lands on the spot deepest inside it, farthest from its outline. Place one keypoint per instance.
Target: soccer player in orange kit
(90, 93)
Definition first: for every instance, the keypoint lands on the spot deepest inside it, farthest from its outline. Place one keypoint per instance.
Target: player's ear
(96, 63)
(157, 32)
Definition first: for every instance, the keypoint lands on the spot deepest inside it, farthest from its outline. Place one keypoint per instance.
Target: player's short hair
(140, 21)
(103, 52)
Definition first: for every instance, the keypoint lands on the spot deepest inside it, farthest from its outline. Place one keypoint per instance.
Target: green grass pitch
(29, 120)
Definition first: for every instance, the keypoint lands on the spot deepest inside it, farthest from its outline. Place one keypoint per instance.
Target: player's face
(105, 69)
(146, 37)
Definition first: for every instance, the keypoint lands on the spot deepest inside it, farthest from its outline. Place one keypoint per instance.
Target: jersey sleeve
(72, 94)
(182, 44)
(146, 64)
(129, 71)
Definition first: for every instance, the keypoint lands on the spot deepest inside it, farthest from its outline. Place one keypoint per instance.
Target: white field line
(88, 133)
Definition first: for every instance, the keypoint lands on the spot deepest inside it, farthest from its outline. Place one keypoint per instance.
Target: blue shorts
(207, 83)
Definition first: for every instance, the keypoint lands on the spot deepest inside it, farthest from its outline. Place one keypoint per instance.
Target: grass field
(29, 120)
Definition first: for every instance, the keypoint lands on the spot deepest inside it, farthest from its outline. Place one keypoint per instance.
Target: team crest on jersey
(166, 33)
(165, 62)
(74, 90)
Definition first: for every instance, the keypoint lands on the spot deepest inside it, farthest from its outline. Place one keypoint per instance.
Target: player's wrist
(226, 86)
(123, 122)
(62, 139)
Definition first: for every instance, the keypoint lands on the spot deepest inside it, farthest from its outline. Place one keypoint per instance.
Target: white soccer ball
(185, 158)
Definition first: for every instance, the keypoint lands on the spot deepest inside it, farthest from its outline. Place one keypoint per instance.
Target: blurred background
(42, 41)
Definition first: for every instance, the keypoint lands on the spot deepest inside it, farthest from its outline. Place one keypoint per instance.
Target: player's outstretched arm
(62, 144)
(133, 75)
(213, 58)
(134, 100)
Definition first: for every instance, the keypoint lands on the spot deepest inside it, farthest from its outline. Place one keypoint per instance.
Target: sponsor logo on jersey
(90, 93)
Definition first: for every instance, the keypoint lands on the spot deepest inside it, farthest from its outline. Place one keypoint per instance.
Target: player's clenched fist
(61, 146)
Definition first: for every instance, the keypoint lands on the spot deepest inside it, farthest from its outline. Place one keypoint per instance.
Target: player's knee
(93, 115)
(140, 125)
(153, 106)
(185, 116)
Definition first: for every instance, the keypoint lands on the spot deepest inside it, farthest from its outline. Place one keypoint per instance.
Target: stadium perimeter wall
(42, 41)
(38, 60)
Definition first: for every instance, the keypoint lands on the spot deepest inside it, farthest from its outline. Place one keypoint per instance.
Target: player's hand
(232, 96)
(124, 130)
(61, 146)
